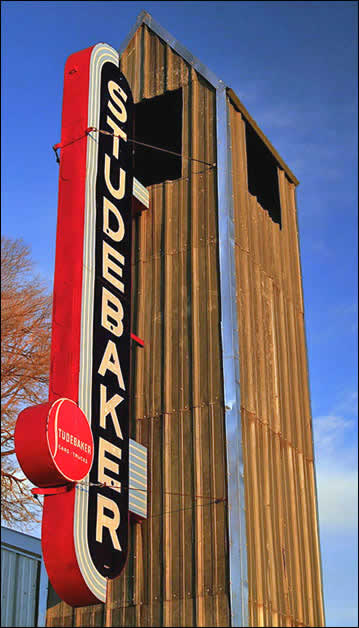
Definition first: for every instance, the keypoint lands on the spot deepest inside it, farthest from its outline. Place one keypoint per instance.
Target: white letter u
(120, 191)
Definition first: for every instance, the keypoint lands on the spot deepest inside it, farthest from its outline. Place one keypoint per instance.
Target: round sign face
(69, 439)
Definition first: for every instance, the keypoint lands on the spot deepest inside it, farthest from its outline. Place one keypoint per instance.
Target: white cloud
(337, 476)
(330, 434)
(337, 498)
(348, 401)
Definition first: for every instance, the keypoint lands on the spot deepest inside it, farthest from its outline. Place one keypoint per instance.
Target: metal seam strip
(229, 330)
(231, 375)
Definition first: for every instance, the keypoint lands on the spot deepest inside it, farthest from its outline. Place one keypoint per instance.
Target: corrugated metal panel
(177, 571)
(178, 568)
(19, 587)
(8, 587)
(61, 614)
(176, 574)
(240, 106)
(283, 548)
(24, 582)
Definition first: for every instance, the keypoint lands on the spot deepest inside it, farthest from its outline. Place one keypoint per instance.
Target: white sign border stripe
(101, 54)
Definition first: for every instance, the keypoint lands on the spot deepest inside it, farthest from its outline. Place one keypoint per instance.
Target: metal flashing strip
(229, 328)
(238, 579)
(126, 41)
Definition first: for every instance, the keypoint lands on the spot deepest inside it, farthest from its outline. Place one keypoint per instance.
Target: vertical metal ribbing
(231, 374)
(197, 420)
(230, 355)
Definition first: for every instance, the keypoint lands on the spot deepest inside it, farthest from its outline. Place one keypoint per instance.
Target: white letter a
(111, 362)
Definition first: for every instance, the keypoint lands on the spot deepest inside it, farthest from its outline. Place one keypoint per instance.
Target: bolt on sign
(75, 448)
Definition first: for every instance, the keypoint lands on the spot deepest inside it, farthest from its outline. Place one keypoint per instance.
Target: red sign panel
(54, 443)
(85, 528)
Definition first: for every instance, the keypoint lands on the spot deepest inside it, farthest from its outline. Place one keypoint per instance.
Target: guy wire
(56, 147)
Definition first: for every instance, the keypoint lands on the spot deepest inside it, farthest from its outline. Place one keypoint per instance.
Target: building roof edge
(240, 106)
(145, 18)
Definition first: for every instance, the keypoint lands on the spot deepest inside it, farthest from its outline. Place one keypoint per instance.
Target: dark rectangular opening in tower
(262, 174)
(158, 123)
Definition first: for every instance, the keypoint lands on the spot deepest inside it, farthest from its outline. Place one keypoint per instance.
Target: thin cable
(186, 178)
(212, 500)
(164, 150)
(170, 512)
(56, 147)
(135, 488)
(133, 141)
(167, 182)
(215, 500)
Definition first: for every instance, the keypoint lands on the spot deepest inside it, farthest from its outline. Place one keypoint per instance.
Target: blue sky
(293, 65)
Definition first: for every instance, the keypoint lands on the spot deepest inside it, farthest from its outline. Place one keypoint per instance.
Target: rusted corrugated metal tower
(221, 395)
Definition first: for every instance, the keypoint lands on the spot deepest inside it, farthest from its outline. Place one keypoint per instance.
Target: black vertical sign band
(108, 513)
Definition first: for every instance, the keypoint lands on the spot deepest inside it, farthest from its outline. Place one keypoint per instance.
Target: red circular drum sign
(70, 440)
(54, 443)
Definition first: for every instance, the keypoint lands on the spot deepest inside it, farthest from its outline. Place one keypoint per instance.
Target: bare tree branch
(25, 361)
(7, 453)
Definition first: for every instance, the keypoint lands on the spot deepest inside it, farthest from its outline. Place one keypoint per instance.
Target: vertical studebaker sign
(86, 512)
